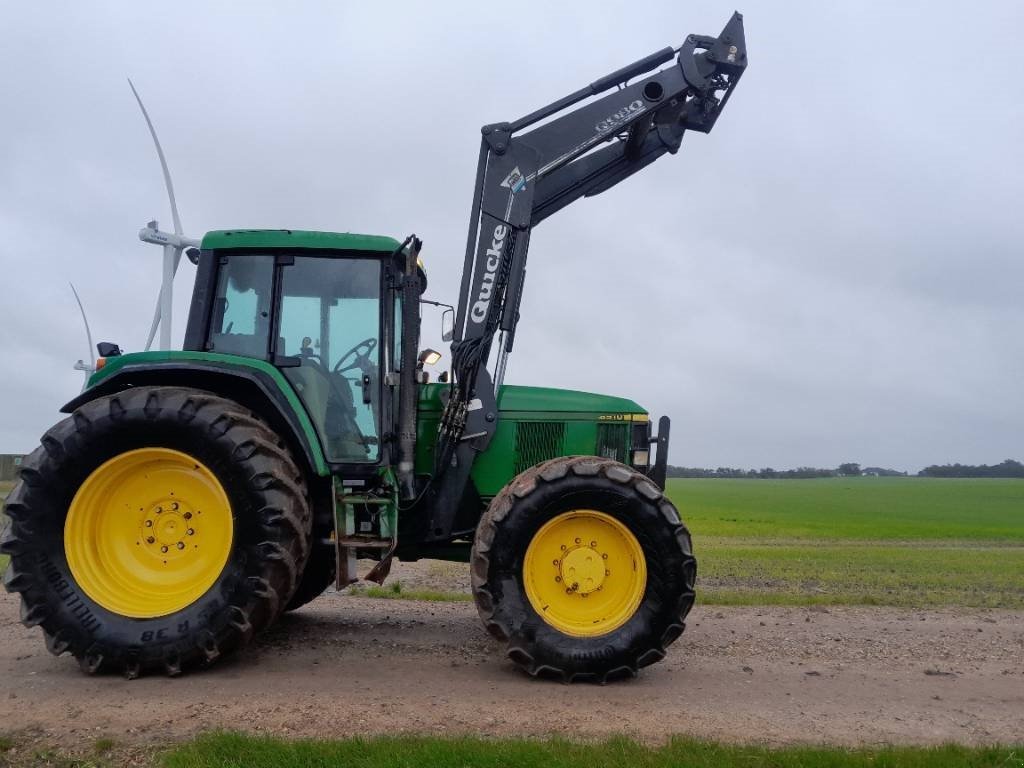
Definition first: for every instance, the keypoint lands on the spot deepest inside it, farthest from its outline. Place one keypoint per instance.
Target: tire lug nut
(577, 539)
(190, 531)
(181, 545)
(604, 556)
(163, 548)
(563, 547)
(607, 572)
(159, 510)
(593, 545)
(558, 578)
(188, 515)
(149, 523)
(150, 539)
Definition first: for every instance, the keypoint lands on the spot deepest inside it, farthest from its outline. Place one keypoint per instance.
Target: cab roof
(295, 238)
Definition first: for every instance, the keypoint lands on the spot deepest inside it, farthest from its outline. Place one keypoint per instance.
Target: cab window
(330, 320)
(241, 307)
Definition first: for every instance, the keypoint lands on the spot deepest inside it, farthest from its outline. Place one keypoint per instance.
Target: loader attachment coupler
(528, 169)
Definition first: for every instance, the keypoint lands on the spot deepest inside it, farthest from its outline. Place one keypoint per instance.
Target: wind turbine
(173, 244)
(87, 368)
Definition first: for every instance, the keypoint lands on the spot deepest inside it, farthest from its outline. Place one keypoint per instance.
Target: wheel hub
(169, 528)
(582, 569)
(148, 532)
(584, 573)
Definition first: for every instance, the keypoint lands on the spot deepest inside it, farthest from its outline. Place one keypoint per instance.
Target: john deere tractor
(192, 496)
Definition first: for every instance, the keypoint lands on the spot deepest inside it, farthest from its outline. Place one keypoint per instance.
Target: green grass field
(862, 508)
(235, 751)
(915, 542)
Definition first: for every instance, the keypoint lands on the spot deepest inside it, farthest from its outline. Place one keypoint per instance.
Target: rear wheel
(316, 578)
(585, 569)
(154, 529)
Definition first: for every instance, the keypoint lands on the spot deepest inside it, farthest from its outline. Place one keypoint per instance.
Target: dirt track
(347, 665)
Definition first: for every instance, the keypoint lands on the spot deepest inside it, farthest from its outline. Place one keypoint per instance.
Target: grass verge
(228, 750)
(4, 559)
(5, 488)
(919, 575)
(395, 591)
(801, 572)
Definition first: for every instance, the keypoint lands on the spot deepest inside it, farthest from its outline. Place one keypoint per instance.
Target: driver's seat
(328, 399)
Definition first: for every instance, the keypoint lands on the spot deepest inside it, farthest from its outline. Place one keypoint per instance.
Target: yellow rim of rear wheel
(148, 532)
(585, 573)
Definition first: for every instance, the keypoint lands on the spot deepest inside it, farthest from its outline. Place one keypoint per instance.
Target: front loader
(191, 496)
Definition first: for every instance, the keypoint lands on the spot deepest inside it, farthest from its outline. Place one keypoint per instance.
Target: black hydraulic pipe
(646, 64)
(407, 394)
(474, 227)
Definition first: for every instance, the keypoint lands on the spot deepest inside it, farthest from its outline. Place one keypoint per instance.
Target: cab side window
(241, 307)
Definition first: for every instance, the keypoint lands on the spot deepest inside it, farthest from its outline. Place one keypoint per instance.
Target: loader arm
(529, 169)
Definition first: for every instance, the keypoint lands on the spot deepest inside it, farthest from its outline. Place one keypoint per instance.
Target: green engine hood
(520, 399)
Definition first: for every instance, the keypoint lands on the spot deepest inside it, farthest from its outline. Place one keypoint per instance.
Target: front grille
(537, 441)
(612, 441)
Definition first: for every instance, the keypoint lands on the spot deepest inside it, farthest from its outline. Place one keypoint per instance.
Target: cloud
(833, 274)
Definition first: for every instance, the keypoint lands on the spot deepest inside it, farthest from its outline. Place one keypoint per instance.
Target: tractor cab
(320, 307)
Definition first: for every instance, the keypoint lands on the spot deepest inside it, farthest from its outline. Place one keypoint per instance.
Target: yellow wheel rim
(148, 532)
(585, 573)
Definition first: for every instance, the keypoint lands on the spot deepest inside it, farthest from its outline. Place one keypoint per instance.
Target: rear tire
(316, 578)
(521, 581)
(264, 553)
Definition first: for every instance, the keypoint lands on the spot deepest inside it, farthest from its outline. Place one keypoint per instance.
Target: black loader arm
(529, 169)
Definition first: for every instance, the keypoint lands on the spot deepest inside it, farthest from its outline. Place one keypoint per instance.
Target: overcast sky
(833, 274)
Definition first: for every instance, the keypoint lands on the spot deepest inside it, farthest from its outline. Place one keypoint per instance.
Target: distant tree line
(800, 473)
(1008, 468)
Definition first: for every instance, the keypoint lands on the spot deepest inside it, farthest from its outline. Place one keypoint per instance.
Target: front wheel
(155, 528)
(583, 566)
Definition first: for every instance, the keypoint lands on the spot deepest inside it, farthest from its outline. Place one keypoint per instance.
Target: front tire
(155, 528)
(583, 566)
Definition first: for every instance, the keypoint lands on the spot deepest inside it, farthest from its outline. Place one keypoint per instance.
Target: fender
(255, 384)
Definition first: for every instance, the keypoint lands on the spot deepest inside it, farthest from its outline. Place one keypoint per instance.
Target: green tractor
(192, 496)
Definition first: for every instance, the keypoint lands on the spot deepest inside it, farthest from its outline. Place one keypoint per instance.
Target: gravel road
(348, 665)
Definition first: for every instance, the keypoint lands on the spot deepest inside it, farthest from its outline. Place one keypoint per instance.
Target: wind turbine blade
(163, 161)
(156, 311)
(85, 320)
(156, 323)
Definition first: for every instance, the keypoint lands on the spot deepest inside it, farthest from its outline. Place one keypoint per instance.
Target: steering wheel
(360, 354)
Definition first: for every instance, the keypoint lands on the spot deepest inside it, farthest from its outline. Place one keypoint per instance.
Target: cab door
(329, 323)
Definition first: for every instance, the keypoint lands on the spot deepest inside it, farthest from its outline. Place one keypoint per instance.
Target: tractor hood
(521, 399)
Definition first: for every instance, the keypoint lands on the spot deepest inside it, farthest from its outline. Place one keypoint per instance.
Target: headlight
(640, 458)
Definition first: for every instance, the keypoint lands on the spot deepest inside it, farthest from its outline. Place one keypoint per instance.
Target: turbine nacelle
(151, 233)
